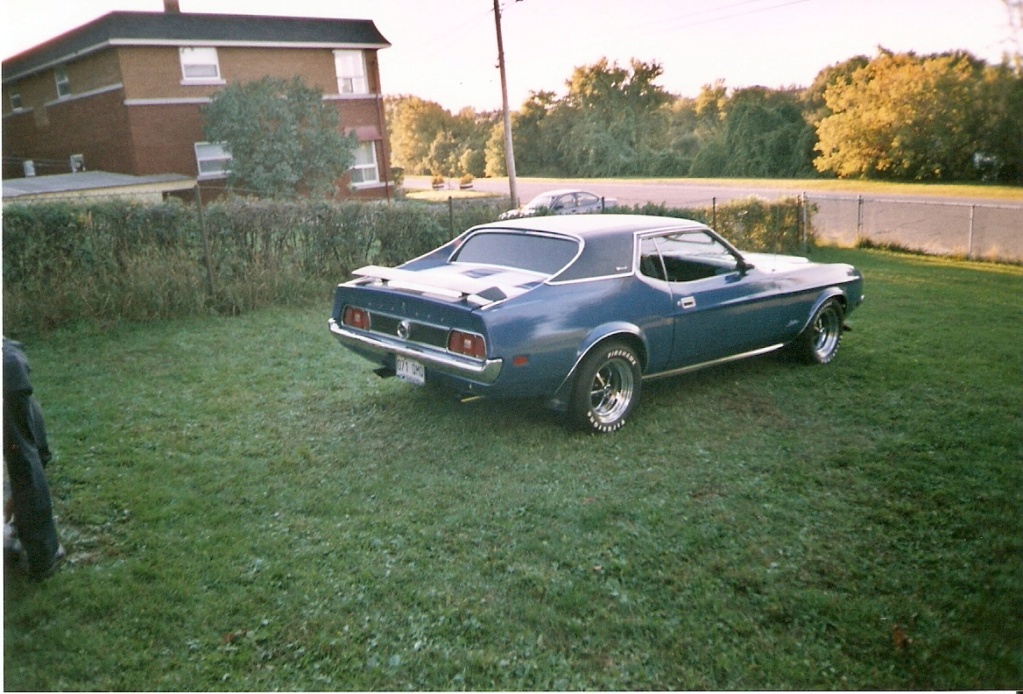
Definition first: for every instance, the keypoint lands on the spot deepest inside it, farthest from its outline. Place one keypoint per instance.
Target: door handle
(687, 302)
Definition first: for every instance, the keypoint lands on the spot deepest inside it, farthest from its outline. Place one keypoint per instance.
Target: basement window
(213, 160)
(200, 65)
(15, 97)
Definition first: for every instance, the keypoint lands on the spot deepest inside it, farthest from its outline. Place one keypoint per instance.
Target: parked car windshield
(533, 252)
(544, 200)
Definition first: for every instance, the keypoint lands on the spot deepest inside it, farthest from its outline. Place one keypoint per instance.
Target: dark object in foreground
(25, 455)
(581, 310)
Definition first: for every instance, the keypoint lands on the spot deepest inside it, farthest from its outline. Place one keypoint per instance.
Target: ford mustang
(581, 310)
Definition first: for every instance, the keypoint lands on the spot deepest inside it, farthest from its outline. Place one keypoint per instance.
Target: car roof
(559, 191)
(585, 226)
(608, 239)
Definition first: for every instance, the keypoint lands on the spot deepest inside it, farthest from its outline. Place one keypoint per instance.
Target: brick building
(123, 93)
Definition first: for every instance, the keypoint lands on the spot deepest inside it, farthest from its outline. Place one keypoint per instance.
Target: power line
(679, 21)
(736, 14)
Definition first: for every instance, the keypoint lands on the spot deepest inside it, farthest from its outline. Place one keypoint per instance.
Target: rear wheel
(606, 388)
(819, 343)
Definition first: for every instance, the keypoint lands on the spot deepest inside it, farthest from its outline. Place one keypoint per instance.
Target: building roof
(92, 184)
(174, 28)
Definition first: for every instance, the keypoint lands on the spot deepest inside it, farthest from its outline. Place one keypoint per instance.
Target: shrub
(112, 261)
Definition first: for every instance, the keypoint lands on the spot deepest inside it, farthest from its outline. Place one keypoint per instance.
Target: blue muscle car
(581, 310)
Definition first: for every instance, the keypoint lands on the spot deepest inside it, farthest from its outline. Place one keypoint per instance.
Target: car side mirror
(744, 266)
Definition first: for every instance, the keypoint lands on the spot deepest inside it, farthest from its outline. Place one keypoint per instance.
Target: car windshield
(533, 252)
(541, 201)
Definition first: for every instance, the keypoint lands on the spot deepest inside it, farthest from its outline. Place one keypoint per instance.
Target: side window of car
(587, 200)
(650, 263)
(689, 256)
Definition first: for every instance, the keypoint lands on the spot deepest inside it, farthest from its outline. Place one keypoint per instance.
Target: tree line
(896, 116)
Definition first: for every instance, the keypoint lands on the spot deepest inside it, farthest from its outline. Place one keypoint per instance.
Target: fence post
(969, 244)
(451, 216)
(859, 217)
(714, 213)
(211, 284)
(804, 215)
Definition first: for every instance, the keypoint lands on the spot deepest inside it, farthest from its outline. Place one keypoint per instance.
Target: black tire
(819, 343)
(606, 389)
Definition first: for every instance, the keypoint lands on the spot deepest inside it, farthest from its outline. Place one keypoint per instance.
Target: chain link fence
(978, 231)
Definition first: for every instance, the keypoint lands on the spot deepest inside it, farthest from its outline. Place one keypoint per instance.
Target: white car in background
(564, 201)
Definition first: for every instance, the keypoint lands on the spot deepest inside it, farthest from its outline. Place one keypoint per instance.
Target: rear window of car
(533, 252)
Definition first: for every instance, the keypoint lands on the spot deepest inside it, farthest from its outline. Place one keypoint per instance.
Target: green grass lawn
(247, 507)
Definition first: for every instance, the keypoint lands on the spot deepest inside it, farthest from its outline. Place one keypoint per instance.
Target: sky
(446, 50)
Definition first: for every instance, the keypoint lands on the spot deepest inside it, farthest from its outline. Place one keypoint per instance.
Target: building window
(364, 171)
(15, 97)
(63, 83)
(351, 72)
(77, 163)
(200, 64)
(213, 160)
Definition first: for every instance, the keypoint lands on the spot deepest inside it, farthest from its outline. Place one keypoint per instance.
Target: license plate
(409, 370)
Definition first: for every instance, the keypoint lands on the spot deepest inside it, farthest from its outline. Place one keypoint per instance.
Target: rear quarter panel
(553, 325)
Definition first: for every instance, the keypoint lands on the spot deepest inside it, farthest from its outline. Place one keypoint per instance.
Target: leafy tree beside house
(282, 137)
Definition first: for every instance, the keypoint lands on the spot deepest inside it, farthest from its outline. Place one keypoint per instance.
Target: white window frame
(60, 78)
(350, 67)
(212, 160)
(200, 65)
(365, 172)
(77, 162)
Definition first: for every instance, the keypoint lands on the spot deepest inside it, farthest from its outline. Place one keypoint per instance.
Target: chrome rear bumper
(484, 372)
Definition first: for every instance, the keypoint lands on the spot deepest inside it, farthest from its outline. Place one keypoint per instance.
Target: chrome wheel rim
(611, 391)
(827, 328)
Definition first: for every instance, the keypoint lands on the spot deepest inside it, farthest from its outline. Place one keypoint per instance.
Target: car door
(718, 308)
(587, 202)
(565, 204)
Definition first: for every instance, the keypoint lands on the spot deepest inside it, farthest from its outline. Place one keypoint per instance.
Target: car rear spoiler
(453, 286)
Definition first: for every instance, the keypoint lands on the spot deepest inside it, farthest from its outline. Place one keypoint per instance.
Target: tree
(1000, 138)
(616, 117)
(494, 152)
(414, 125)
(904, 117)
(427, 139)
(534, 146)
(282, 137)
(767, 135)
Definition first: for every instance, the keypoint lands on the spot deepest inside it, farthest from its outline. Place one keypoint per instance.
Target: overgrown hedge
(113, 261)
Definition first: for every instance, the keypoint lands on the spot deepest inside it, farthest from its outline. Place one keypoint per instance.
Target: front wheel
(819, 343)
(606, 388)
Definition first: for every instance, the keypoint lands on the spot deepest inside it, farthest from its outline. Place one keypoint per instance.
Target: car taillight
(469, 344)
(356, 318)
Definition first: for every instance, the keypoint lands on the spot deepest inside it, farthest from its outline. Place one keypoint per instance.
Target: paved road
(680, 192)
(979, 227)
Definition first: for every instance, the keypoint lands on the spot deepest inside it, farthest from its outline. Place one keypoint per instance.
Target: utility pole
(509, 151)
(1015, 10)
